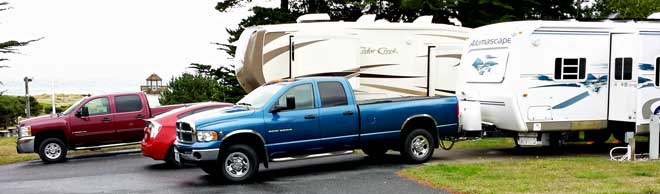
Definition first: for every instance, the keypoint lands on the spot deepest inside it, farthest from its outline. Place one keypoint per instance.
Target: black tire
(211, 168)
(170, 160)
(421, 152)
(240, 153)
(598, 137)
(52, 150)
(374, 152)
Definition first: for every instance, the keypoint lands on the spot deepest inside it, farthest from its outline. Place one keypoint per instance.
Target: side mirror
(290, 102)
(290, 105)
(82, 112)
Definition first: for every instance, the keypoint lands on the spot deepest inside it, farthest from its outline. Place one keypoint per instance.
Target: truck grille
(184, 132)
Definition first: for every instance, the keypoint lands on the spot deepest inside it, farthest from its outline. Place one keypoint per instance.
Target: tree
(189, 88)
(11, 107)
(11, 46)
(230, 89)
(627, 8)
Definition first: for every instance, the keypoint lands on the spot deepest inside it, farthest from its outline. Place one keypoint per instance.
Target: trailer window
(570, 68)
(332, 94)
(623, 68)
(657, 71)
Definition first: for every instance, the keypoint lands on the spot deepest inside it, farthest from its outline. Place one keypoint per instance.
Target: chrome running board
(302, 157)
(106, 146)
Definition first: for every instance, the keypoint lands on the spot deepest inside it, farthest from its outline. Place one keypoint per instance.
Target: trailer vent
(315, 17)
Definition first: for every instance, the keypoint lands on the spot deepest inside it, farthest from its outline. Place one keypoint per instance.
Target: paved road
(132, 173)
(129, 172)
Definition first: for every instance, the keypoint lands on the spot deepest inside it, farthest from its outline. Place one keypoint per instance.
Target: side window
(332, 94)
(657, 71)
(128, 103)
(570, 68)
(623, 68)
(304, 96)
(98, 106)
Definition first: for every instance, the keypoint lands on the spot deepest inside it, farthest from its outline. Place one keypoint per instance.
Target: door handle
(310, 116)
(347, 113)
(139, 117)
(106, 120)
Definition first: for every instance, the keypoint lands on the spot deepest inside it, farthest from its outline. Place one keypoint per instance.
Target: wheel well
(48, 134)
(249, 139)
(421, 123)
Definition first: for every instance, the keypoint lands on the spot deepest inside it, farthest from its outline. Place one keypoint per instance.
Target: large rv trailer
(543, 80)
(380, 59)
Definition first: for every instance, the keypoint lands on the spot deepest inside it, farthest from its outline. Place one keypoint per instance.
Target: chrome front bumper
(200, 155)
(25, 144)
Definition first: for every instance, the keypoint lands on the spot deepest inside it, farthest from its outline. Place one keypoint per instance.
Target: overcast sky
(95, 46)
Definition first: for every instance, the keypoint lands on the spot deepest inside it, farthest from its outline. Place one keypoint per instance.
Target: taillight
(458, 110)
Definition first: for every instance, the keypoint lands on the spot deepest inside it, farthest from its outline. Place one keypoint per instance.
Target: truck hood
(218, 116)
(40, 120)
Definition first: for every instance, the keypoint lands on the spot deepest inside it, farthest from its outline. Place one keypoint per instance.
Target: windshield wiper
(244, 104)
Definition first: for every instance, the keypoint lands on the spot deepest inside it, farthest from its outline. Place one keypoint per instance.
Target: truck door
(325, 56)
(97, 128)
(128, 117)
(623, 77)
(296, 131)
(338, 118)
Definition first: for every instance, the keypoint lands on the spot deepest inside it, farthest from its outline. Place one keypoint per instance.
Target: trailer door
(443, 62)
(623, 77)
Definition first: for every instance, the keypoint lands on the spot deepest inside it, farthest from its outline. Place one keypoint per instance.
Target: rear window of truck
(128, 103)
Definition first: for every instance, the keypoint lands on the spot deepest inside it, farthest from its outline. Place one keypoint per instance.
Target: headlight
(25, 131)
(155, 128)
(207, 136)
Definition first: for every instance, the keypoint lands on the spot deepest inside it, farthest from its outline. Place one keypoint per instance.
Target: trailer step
(106, 146)
(302, 157)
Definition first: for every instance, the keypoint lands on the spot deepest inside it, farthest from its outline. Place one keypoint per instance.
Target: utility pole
(27, 96)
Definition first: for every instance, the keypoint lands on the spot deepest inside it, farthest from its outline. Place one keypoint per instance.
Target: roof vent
(368, 18)
(654, 16)
(315, 17)
(427, 19)
(382, 21)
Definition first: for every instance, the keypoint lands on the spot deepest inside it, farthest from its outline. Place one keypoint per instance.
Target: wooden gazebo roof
(154, 77)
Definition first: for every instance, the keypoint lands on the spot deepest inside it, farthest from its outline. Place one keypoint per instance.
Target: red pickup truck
(91, 123)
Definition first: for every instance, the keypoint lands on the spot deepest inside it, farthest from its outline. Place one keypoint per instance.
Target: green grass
(556, 175)
(499, 142)
(9, 155)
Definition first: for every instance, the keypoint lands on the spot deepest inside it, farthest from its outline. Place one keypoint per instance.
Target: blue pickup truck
(303, 118)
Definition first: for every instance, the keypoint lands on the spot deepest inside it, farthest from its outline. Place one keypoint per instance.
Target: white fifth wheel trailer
(381, 59)
(545, 80)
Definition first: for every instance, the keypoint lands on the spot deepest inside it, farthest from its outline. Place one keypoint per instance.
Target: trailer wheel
(52, 150)
(418, 146)
(375, 151)
(238, 163)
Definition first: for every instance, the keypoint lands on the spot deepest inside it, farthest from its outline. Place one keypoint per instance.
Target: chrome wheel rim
(420, 146)
(53, 150)
(237, 164)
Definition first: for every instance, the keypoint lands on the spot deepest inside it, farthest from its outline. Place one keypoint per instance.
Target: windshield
(258, 97)
(70, 109)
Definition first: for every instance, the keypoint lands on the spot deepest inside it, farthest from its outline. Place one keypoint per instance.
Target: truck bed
(394, 99)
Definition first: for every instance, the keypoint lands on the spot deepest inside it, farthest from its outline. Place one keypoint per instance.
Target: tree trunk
(284, 5)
